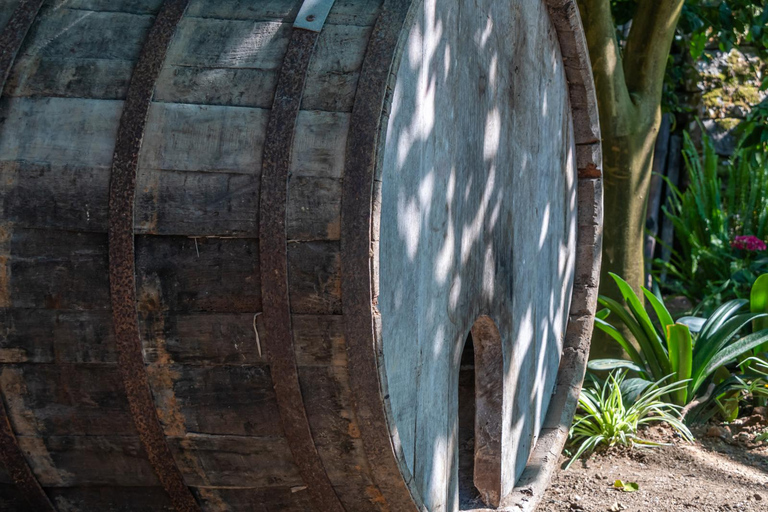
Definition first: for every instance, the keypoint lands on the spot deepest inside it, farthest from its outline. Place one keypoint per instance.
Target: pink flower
(748, 243)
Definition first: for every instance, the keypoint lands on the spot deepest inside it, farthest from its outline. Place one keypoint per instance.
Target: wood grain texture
(418, 194)
(478, 217)
(273, 258)
(391, 476)
(122, 267)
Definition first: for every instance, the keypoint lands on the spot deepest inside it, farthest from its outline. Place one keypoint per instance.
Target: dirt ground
(724, 470)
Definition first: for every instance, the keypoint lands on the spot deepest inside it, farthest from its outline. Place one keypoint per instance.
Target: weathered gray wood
(61, 400)
(118, 499)
(314, 278)
(65, 270)
(73, 198)
(477, 210)
(475, 224)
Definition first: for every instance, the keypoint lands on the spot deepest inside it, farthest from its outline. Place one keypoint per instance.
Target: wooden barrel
(284, 256)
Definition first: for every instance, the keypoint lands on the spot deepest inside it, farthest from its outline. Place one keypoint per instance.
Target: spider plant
(606, 417)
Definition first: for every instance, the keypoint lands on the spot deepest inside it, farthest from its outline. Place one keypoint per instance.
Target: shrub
(668, 349)
(721, 230)
(606, 417)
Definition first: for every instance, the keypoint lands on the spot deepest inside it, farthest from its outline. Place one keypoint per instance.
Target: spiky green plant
(707, 217)
(605, 418)
(666, 348)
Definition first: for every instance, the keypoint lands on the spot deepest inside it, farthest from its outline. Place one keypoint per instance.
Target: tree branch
(605, 54)
(648, 45)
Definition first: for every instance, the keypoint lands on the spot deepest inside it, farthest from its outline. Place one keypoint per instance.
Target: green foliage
(607, 417)
(758, 303)
(733, 390)
(726, 23)
(754, 132)
(667, 349)
(707, 218)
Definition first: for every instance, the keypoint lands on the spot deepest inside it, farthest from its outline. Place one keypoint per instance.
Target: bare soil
(726, 469)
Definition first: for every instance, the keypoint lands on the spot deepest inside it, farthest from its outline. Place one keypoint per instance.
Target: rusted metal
(356, 255)
(273, 255)
(13, 35)
(16, 464)
(122, 271)
(11, 456)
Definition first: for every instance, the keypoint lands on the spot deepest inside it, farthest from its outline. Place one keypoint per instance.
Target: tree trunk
(627, 160)
(628, 82)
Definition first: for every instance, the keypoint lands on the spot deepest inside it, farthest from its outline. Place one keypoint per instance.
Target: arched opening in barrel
(480, 414)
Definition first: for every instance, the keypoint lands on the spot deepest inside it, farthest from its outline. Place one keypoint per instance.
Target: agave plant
(668, 348)
(607, 417)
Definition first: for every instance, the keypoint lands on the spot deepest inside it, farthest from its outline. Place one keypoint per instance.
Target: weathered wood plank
(313, 209)
(86, 34)
(61, 400)
(314, 278)
(48, 335)
(319, 144)
(57, 270)
(233, 461)
(203, 138)
(127, 6)
(65, 270)
(59, 131)
(328, 402)
(319, 340)
(206, 339)
(111, 499)
(11, 499)
(344, 12)
(119, 461)
(88, 461)
(206, 274)
(284, 499)
(199, 338)
(219, 400)
(88, 400)
(74, 198)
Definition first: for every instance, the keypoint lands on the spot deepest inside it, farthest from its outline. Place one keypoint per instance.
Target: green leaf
(708, 346)
(758, 303)
(642, 318)
(721, 315)
(681, 357)
(602, 314)
(645, 348)
(628, 347)
(625, 486)
(661, 311)
(598, 365)
(728, 353)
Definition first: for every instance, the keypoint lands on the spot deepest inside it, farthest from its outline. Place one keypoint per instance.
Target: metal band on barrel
(11, 456)
(122, 267)
(273, 260)
(356, 219)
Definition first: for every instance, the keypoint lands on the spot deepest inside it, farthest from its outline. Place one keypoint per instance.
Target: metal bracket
(312, 14)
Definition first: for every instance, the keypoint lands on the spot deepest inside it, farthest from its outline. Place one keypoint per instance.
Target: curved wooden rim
(530, 487)
(361, 319)
(273, 260)
(11, 455)
(392, 477)
(122, 267)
